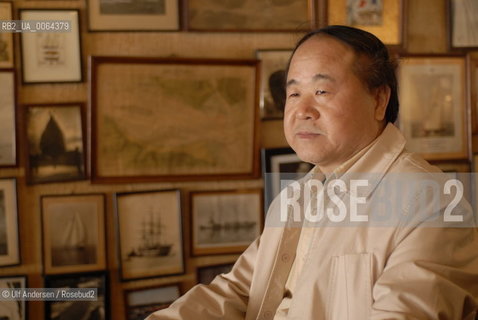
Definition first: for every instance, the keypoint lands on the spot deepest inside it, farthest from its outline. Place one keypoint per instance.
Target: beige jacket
(393, 272)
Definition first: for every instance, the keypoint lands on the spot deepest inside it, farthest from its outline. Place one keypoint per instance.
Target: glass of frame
(250, 15)
(463, 23)
(9, 245)
(207, 273)
(225, 222)
(13, 309)
(133, 15)
(73, 233)
(383, 18)
(163, 95)
(55, 141)
(49, 57)
(8, 150)
(78, 309)
(433, 106)
(149, 233)
(280, 164)
(273, 78)
(473, 72)
(141, 302)
(6, 38)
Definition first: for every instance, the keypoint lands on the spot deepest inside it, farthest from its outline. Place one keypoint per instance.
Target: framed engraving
(73, 229)
(6, 38)
(9, 240)
(463, 23)
(8, 137)
(433, 106)
(16, 309)
(141, 302)
(49, 57)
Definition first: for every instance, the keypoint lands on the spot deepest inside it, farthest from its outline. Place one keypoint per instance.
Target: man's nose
(307, 109)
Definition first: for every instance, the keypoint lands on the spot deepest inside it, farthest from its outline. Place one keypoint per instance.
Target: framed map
(173, 119)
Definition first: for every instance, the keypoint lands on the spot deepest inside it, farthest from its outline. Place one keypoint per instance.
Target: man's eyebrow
(318, 76)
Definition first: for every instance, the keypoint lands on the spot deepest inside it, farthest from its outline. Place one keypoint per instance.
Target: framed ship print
(55, 140)
(155, 15)
(49, 57)
(6, 38)
(225, 222)
(9, 239)
(383, 18)
(8, 137)
(149, 226)
(433, 106)
(15, 308)
(73, 229)
(141, 302)
(250, 15)
(141, 111)
(463, 23)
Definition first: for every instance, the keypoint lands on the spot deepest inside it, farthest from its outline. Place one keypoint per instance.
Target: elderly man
(340, 105)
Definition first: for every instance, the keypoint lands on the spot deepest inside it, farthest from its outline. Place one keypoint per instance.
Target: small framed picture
(6, 38)
(73, 228)
(207, 273)
(250, 15)
(49, 57)
(225, 221)
(433, 106)
(149, 233)
(157, 15)
(9, 245)
(463, 23)
(473, 76)
(141, 302)
(8, 137)
(78, 309)
(55, 142)
(16, 309)
(273, 79)
(280, 165)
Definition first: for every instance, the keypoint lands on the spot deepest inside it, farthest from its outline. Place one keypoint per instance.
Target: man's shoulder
(410, 162)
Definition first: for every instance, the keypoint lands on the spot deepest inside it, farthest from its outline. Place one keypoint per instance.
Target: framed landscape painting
(142, 111)
(9, 239)
(141, 302)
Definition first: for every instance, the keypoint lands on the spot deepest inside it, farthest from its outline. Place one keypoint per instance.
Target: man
(340, 105)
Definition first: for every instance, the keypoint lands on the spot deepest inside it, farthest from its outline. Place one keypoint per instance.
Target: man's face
(329, 114)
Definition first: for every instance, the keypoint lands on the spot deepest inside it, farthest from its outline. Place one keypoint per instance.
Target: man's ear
(382, 96)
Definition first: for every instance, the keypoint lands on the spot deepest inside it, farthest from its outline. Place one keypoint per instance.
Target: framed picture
(383, 18)
(55, 142)
(9, 245)
(6, 38)
(13, 309)
(250, 15)
(49, 57)
(129, 95)
(78, 309)
(433, 106)
(473, 76)
(141, 302)
(156, 15)
(73, 229)
(463, 23)
(8, 149)
(273, 79)
(279, 165)
(149, 233)
(206, 274)
(225, 221)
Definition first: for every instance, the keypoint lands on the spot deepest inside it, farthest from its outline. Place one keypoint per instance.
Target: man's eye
(320, 92)
(294, 94)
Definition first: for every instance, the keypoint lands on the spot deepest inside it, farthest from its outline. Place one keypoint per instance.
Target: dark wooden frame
(12, 40)
(473, 92)
(23, 303)
(15, 120)
(12, 258)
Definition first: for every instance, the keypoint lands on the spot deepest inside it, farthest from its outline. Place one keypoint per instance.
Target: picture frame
(7, 56)
(225, 221)
(149, 232)
(55, 140)
(278, 165)
(130, 94)
(383, 18)
(462, 20)
(250, 16)
(9, 237)
(160, 15)
(141, 302)
(273, 78)
(51, 57)
(8, 136)
(79, 309)
(73, 233)
(473, 89)
(206, 274)
(434, 105)
(17, 309)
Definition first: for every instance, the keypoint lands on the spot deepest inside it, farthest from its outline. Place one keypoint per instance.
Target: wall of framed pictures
(91, 160)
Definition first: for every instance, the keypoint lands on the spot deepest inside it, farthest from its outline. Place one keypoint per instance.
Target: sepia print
(464, 23)
(132, 6)
(9, 250)
(6, 38)
(13, 309)
(140, 303)
(7, 119)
